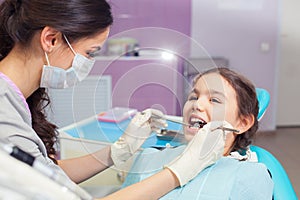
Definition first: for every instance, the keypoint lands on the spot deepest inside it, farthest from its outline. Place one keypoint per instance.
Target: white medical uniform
(227, 179)
(15, 123)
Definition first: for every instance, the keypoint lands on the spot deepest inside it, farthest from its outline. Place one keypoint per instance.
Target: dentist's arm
(81, 168)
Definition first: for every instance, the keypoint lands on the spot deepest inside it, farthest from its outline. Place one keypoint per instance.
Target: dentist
(51, 44)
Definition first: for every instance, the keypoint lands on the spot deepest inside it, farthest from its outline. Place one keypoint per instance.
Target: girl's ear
(49, 38)
(246, 122)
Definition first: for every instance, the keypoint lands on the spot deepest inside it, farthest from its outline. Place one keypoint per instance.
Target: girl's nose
(199, 104)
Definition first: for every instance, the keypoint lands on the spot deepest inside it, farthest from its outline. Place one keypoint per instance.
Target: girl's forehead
(211, 80)
(214, 81)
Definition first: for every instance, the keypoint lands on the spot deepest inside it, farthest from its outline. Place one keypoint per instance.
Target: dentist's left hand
(138, 130)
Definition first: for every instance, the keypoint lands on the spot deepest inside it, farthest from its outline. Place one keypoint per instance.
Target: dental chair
(283, 188)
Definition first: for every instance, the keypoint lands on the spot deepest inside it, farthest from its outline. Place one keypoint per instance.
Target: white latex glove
(203, 150)
(138, 130)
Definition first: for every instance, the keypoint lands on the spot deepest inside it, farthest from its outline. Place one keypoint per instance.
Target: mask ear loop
(69, 44)
(47, 59)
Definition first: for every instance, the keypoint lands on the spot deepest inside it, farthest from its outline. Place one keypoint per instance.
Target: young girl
(218, 94)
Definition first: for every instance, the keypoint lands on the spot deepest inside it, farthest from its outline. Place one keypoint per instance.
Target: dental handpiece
(170, 119)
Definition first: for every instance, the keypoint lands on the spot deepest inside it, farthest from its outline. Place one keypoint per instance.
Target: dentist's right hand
(203, 150)
(138, 130)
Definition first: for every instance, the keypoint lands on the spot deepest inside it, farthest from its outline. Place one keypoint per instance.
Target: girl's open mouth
(196, 123)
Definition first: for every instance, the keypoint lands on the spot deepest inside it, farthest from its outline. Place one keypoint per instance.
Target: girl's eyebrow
(194, 90)
(216, 92)
(210, 92)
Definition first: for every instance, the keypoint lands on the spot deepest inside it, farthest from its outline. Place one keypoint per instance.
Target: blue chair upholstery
(283, 188)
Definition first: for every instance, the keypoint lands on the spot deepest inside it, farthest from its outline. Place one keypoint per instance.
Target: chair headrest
(263, 98)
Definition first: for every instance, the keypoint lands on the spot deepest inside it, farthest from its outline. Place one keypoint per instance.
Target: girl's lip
(191, 130)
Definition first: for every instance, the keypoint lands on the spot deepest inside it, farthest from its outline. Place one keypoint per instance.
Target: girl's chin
(190, 132)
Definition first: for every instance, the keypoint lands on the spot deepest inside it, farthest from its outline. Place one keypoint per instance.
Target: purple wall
(154, 82)
(169, 14)
(143, 83)
(164, 16)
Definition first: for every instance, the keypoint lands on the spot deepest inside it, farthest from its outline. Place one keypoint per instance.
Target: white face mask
(55, 77)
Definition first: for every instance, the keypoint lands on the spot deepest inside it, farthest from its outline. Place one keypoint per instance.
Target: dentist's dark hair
(246, 100)
(20, 20)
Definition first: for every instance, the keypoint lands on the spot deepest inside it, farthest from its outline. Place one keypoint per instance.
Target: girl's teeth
(194, 119)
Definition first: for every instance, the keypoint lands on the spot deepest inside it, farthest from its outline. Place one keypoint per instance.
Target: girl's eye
(193, 98)
(215, 100)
